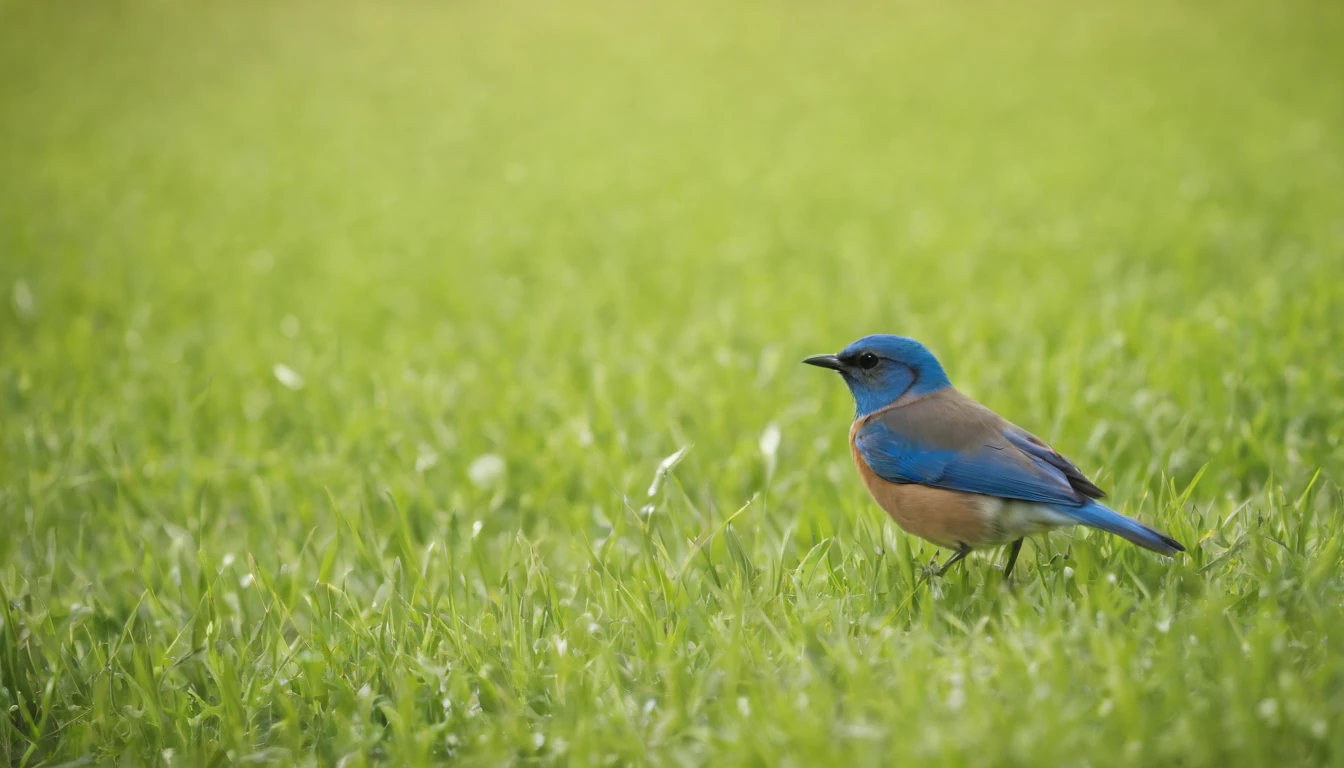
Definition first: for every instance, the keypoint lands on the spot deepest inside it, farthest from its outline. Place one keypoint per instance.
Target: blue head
(879, 369)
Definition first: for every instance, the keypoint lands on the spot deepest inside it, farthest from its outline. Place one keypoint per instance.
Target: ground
(397, 382)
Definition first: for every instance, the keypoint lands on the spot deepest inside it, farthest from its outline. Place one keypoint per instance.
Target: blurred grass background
(341, 344)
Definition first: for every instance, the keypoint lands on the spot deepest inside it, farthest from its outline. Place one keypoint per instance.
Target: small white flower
(24, 303)
(486, 470)
(427, 458)
(770, 442)
(287, 376)
(1268, 709)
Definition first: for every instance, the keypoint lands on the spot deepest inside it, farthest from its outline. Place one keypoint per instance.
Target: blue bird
(951, 471)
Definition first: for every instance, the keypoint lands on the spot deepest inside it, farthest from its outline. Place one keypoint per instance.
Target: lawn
(408, 382)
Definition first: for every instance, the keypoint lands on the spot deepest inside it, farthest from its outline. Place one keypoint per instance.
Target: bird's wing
(947, 440)
(1037, 449)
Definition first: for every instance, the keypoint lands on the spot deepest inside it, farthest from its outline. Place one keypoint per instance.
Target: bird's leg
(1013, 549)
(954, 559)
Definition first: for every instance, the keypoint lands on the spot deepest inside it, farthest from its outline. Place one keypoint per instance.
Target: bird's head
(880, 369)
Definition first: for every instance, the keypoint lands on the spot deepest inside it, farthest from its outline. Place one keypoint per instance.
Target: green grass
(340, 346)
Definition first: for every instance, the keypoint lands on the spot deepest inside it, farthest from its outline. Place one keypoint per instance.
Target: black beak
(824, 361)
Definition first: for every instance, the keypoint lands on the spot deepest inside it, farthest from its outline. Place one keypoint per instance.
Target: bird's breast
(950, 519)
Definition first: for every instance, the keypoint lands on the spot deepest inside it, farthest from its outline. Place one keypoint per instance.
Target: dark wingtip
(1170, 542)
(1084, 486)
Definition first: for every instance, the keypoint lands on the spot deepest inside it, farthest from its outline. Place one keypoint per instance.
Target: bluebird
(951, 471)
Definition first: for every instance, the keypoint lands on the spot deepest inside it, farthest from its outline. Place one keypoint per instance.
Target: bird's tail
(1097, 516)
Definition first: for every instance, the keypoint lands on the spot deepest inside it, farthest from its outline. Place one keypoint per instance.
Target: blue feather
(900, 459)
(1097, 516)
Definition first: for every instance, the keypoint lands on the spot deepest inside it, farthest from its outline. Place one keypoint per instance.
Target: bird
(951, 471)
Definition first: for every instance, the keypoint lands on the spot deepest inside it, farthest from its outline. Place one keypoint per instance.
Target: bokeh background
(343, 342)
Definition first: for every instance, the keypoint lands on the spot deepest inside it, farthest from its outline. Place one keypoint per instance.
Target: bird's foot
(933, 568)
(956, 557)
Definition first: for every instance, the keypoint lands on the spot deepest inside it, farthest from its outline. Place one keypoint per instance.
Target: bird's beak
(824, 361)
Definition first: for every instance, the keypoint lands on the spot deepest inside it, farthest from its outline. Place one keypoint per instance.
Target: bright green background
(577, 237)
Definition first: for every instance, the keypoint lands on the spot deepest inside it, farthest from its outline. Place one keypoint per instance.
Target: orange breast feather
(950, 519)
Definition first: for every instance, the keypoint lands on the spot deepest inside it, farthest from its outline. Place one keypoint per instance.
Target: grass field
(341, 347)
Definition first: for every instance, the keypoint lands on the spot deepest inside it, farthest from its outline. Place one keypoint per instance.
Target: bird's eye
(867, 361)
